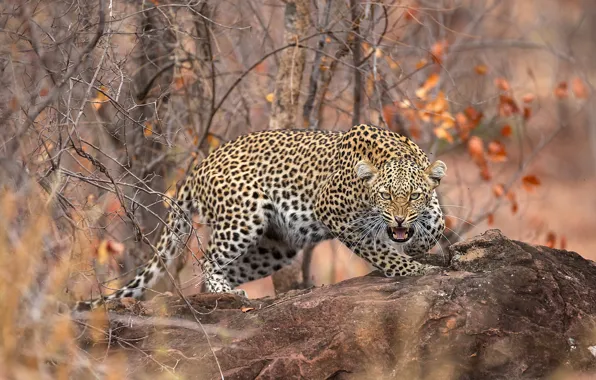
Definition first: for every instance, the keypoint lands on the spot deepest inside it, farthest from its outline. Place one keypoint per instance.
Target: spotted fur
(266, 195)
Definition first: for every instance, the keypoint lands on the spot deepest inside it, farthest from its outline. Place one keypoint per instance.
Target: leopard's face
(400, 191)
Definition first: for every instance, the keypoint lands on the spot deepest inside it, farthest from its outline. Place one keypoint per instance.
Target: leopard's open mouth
(400, 234)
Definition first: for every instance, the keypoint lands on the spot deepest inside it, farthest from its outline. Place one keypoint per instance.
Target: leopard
(267, 195)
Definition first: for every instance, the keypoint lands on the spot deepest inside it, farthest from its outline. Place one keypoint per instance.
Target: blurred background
(106, 104)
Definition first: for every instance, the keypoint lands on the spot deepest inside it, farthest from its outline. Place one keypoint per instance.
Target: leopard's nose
(399, 220)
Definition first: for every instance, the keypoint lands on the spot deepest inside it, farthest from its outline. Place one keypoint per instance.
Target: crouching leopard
(269, 194)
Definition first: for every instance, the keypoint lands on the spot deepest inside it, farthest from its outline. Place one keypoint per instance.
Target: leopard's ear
(435, 172)
(366, 171)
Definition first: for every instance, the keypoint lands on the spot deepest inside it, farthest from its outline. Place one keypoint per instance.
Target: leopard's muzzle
(400, 234)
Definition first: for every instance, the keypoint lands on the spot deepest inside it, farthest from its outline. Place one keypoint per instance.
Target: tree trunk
(504, 310)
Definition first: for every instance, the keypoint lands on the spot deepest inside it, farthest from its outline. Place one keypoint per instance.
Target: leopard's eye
(414, 196)
(385, 195)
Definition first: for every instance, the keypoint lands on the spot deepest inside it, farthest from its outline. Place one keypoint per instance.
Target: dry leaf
(551, 239)
(270, 96)
(246, 309)
(438, 50)
(481, 69)
(506, 131)
(213, 142)
(579, 88)
(561, 90)
(148, 130)
(43, 92)
(528, 98)
(443, 134)
(108, 248)
(490, 219)
(497, 152)
(498, 190)
(527, 113)
(502, 84)
(485, 173)
(420, 64)
(530, 182)
(99, 99)
(476, 149)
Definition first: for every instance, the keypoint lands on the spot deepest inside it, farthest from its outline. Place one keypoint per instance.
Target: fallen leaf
(246, 309)
(498, 190)
(270, 96)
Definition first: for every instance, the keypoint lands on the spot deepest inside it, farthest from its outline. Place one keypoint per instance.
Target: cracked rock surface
(503, 310)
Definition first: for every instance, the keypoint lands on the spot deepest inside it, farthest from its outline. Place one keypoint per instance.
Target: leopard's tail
(176, 233)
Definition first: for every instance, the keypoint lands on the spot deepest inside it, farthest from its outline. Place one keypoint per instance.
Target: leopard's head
(400, 191)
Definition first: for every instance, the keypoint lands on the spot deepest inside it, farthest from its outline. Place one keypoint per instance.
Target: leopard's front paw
(431, 269)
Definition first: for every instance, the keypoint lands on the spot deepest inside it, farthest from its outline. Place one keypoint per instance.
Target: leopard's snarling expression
(400, 190)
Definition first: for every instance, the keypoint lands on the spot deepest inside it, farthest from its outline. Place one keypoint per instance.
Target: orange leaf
(506, 131)
(420, 64)
(148, 130)
(429, 84)
(498, 190)
(43, 92)
(561, 90)
(485, 173)
(270, 96)
(528, 98)
(415, 131)
(99, 99)
(432, 81)
(514, 207)
(179, 83)
(529, 182)
(579, 88)
(246, 309)
(108, 248)
(490, 219)
(476, 147)
(507, 106)
(527, 113)
(213, 142)
(481, 69)
(411, 13)
(502, 84)
(438, 51)
(551, 239)
(14, 103)
(443, 134)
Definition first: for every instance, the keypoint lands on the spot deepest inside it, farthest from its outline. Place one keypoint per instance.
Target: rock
(503, 310)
